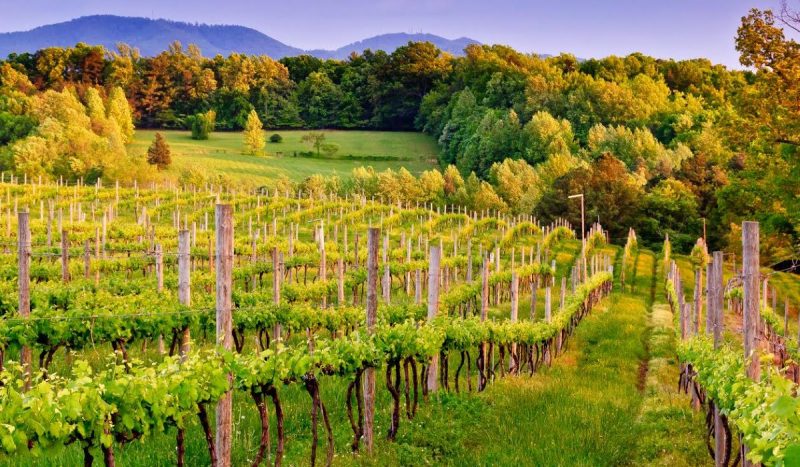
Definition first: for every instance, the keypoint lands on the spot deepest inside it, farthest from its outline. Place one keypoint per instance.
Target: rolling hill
(152, 36)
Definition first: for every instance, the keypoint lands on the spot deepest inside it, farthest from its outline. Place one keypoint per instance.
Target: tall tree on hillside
(158, 153)
(319, 98)
(765, 187)
(773, 103)
(253, 135)
(120, 111)
(412, 71)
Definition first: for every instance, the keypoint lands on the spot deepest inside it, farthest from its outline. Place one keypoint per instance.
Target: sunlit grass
(222, 154)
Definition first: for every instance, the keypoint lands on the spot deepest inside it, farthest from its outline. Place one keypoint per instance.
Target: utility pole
(583, 232)
(583, 218)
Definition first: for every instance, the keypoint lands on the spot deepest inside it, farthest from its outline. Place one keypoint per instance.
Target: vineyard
(195, 326)
(739, 358)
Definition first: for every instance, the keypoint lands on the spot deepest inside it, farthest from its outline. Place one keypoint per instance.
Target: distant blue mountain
(389, 42)
(152, 36)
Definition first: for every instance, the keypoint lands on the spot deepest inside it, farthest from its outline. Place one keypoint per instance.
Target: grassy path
(609, 400)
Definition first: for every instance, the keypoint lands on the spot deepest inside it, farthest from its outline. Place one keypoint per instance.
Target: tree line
(658, 144)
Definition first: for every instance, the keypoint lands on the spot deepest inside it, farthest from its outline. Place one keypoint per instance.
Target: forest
(670, 147)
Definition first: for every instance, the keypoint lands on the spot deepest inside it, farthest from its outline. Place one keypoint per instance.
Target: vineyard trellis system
(727, 373)
(281, 289)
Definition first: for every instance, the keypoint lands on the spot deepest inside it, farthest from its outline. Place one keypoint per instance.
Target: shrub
(330, 149)
(275, 138)
(202, 124)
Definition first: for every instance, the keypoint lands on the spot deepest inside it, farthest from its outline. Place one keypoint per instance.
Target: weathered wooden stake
(386, 285)
(276, 289)
(548, 302)
(714, 310)
(159, 254)
(64, 256)
(698, 301)
(184, 285)
(87, 259)
(224, 265)
(373, 237)
(484, 315)
(434, 273)
(514, 315)
(750, 272)
(323, 266)
(24, 282)
(340, 281)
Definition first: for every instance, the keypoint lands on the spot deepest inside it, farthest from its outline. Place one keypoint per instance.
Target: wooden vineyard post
(64, 256)
(433, 310)
(710, 316)
(97, 255)
(253, 259)
(386, 285)
(323, 266)
(548, 310)
(49, 224)
(513, 367)
(224, 266)
(417, 286)
(340, 281)
(276, 289)
(373, 237)
(750, 305)
(184, 286)
(698, 300)
(355, 251)
(714, 310)
(24, 281)
(159, 254)
(469, 260)
(750, 265)
(497, 269)
(534, 297)
(159, 268)
(104, 233)
(484, 357)
(407, 245)
(87, 259)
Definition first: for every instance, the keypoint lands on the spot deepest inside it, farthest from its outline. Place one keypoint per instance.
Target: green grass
(595, 406)
(222, 154)
(670, 433)
(579, 412)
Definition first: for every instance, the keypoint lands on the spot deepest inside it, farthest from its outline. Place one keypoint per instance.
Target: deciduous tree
(253, 135)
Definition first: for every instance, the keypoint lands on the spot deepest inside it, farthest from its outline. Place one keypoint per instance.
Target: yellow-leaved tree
(253, 135)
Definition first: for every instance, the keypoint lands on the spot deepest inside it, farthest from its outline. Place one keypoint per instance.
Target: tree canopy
(657, 144)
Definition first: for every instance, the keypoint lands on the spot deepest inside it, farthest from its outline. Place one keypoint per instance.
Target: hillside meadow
(222, 154)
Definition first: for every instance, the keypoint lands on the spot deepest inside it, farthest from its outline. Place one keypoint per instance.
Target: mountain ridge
(152, 36)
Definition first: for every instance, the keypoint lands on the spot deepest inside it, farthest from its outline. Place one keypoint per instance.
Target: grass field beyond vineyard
(222, 154)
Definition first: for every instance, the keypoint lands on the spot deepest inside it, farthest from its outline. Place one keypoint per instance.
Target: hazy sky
(586, 28)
